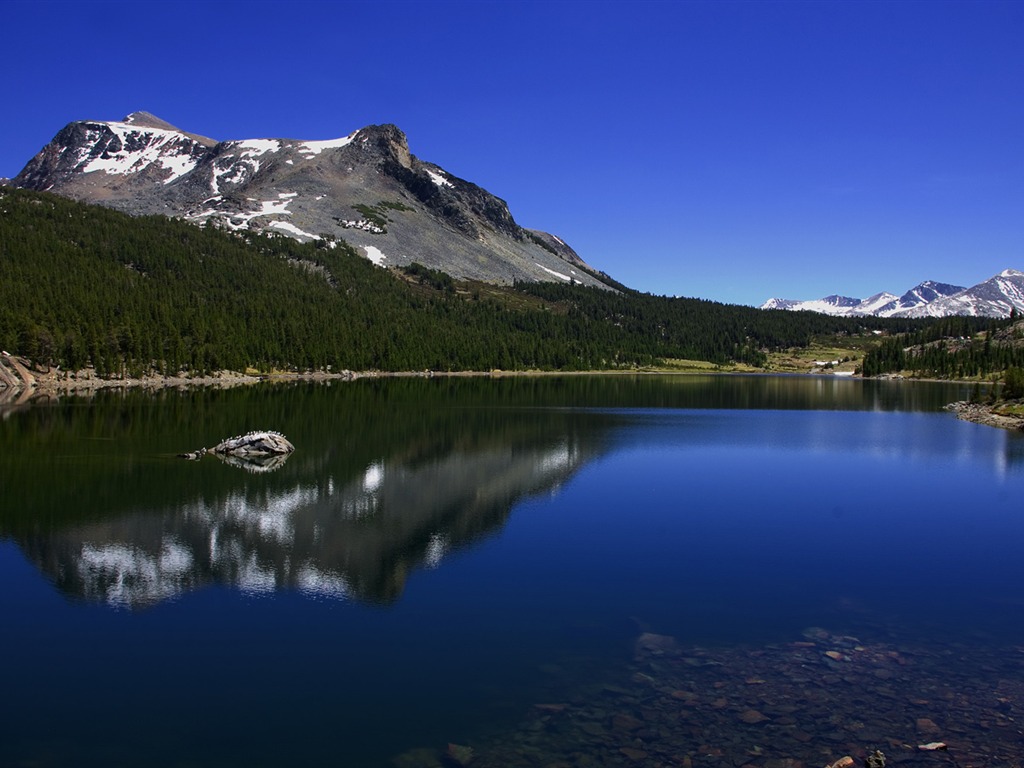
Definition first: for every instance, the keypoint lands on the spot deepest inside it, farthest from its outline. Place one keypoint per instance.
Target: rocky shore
(986, 414)
(21, 385)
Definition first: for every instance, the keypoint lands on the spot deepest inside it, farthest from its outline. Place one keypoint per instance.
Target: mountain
(920, 295)
(995, 297)
(839, 306)
(365, 188)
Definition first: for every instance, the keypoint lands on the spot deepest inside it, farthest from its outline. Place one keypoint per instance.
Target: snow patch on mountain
(132, 150)
(291, 229)
(255, 147)
(362, 224)
(239, 220)
(559, 275)
(374, 255)
(314, 148)
(438, 178)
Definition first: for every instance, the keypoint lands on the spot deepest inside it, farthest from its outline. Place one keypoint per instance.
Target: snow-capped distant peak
(833, 305)
(779, 303)
(875, 303)
(995, 297)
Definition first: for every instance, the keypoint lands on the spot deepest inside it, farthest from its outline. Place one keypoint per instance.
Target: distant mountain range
(995, 297)
(366, 188)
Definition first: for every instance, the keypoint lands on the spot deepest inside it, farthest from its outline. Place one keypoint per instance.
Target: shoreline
(86, 383)
(54, 384)
(985, 414)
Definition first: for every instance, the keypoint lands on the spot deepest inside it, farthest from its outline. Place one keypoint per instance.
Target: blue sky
(732, 151)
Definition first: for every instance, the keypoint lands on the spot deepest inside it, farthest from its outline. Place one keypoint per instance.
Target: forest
(952, 348)
(82, 285)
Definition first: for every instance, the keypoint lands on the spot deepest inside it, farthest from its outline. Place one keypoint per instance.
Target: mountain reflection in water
(358, 537)
(339, 531)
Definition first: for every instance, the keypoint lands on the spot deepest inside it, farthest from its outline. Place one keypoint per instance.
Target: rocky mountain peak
(366, 188)
(390, 141)
(148, 120)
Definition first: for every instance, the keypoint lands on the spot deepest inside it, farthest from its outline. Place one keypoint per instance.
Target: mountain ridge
(996, 297)
(366, 188)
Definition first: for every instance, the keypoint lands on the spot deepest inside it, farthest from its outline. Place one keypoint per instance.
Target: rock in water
(255, 444)
(656, 645)
(460, 755)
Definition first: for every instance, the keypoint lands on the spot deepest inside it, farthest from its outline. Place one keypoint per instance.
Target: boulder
(255, 444)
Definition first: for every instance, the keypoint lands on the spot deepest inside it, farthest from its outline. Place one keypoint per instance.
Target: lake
(761, 571)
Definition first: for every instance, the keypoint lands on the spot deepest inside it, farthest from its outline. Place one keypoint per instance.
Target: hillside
(83, 285)
(954, 348)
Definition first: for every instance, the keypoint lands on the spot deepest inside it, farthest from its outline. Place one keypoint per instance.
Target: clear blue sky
(726, 150)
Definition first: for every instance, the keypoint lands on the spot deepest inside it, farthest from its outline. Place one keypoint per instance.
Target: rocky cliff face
(366, 188)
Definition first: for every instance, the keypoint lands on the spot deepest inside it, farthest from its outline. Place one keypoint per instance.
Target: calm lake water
(579, 571)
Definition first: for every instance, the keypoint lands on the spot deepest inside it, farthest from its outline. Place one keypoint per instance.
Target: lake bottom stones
(822, 700)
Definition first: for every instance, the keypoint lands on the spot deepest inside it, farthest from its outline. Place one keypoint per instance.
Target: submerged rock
(753, 717)
(460, 754)
(656, 645)
(421, 757)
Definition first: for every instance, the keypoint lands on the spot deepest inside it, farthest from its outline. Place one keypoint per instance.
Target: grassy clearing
(1011, 409)
(839, 354)
(675, 365)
